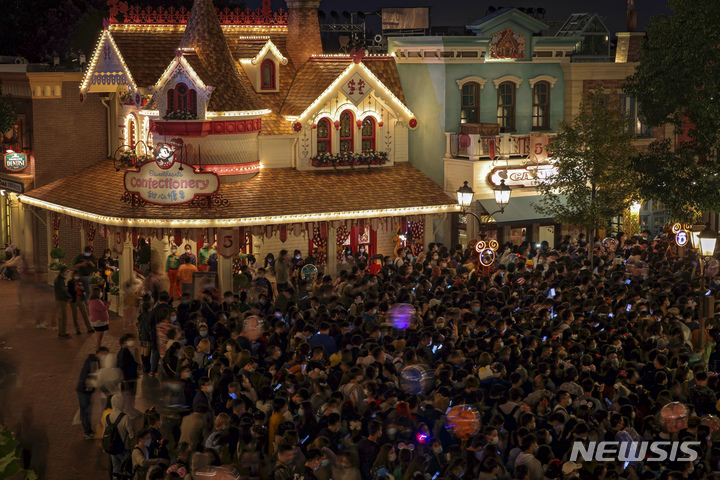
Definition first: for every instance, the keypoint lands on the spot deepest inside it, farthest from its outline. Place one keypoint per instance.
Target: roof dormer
(263, 69)
(181, 93)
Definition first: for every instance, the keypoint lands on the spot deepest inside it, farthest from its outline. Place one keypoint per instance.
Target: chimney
(303, 37)
(628, 46)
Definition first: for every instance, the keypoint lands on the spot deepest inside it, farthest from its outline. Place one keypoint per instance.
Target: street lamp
(465, 196)
(707, 240)
(704, 240)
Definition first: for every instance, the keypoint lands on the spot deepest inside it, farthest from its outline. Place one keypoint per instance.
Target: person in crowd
(99, 316)
(62, 298)
(107, 265)
(127, 364)
(125, 433)
(172, 264)
(85, 265)
(185, 275)
(551, 348)
(79, 298)
(86, 386)
(206, 251)
(144, 255)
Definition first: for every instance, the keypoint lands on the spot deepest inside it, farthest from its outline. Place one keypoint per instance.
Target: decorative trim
(507, 78)
(471, 78)
(228, 222)
(90, 78)
(269, 46)
(172, 16)
(233, 169)
(542, 78)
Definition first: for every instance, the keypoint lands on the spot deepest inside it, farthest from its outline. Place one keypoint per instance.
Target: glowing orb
(674, 417)
(638, 268)
(401, 315)
(463, 421)
(309, 273)
(609, 244)
(252, 328)
(415, 379)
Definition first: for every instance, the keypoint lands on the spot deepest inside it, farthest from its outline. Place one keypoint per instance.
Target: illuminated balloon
(674, 417)
(713, 422)
(252, 328)
(463, 421)
(309, 273)
(609, 244)
(401, 315)
(415, 379)
(638, 268)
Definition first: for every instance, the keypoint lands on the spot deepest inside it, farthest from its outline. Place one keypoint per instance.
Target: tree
(676, 83)
(8, 115)
(592, 154)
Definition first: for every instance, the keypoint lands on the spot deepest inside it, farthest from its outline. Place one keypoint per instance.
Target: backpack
(112, 443)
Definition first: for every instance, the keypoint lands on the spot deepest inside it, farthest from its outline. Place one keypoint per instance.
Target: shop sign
(681, 238)
(11, 186)
(527, 176)
(174, 185)
(15, 162)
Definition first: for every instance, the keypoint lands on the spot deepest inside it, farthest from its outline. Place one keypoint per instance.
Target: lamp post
(465, 196)
(704, 240)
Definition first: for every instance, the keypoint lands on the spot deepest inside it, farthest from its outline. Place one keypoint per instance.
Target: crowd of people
(294, 378)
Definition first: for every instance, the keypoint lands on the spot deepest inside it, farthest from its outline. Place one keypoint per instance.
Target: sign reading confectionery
(157, 183)
(527, 176)
(15, 162)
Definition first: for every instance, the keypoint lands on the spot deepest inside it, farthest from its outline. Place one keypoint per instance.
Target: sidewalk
(38, 376)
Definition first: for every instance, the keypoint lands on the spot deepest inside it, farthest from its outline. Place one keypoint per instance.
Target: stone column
(331, 251)
(225, 274)
(127, 273)
(428, 234)
(26, 246)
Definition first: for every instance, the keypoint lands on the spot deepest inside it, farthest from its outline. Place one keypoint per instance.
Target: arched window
(506, 106)
(131, 137)
(346, 132)
(541, 106)
(182, 99)
(267, 71)
(324, 136)
(368, 134)
(470, 108)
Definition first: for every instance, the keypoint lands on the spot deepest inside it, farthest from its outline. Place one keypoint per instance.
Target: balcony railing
(476, 146)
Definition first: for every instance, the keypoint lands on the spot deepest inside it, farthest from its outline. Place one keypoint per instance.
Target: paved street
(37, 397)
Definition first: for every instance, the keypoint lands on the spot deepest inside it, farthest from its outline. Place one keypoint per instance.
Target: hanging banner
(538, 147)
(119, 234)
(283, 233)
(491, 148)
(177, 237)
(228, 242)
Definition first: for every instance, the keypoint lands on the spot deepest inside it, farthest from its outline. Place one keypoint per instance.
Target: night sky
(462, 12)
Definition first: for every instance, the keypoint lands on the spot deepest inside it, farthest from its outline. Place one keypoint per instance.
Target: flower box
(114, 303)
(366, 159)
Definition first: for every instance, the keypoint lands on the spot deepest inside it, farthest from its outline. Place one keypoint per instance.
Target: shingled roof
(318, 73)
(147, 52)
(233, 92)
(273, 192)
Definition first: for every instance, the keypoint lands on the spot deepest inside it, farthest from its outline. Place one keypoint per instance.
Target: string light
(339, 80)
(98, 50)
(232, 222)
(269, 46)
(242, 113)
(233, 169)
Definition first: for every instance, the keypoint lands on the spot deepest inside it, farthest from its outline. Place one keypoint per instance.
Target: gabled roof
(504, 16)
(275, 195)
(106, 38)
(147, 51)
(319, 73)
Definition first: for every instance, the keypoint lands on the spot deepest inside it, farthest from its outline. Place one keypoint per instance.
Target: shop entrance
(547, 234)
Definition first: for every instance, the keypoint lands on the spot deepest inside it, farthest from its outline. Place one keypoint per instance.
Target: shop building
(234, 127)
(487, 105)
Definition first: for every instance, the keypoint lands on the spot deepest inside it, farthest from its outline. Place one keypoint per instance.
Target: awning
(518, 210)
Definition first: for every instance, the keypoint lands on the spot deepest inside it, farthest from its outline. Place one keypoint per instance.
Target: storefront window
(346, 132)
(323, 136)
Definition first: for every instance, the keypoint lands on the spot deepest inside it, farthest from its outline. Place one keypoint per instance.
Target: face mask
(203, 333)
(107, 255)
(131, 343)
(495, 440)
(206, 245)
(147, 443)
(391, 431)
(443, 265)
(301, 412)
(392, 457)
(228, 348)
(475, 309)
(86, 254)
(209, 389)
(187, 375)
(188, 251)
(297, 256)
(614, 361)
(437, 450)
(173, 318)
(173, 251)
(228, 299)
(325, 463)
(76, 278)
